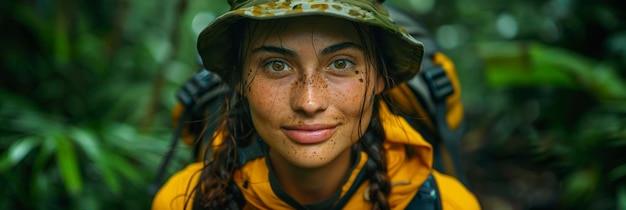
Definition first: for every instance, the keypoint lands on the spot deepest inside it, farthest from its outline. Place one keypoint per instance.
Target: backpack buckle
(438, 82)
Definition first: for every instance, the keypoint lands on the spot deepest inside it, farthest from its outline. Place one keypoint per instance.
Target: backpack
(430, 102)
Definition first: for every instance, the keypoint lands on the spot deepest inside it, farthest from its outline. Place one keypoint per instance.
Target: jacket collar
(254, 182)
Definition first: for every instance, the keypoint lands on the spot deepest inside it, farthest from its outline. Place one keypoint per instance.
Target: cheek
(266, 99)
(352, 94)
(258, 94)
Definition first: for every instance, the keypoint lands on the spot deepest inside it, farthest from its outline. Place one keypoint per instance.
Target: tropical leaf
(17, 152)
(68, 164)
(128, 170)
(509, 64)
(87, 140)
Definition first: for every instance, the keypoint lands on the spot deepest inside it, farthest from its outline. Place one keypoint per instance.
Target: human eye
(276, 66)
(341, 65)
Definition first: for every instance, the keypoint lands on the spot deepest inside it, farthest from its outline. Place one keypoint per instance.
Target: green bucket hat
(401, 52)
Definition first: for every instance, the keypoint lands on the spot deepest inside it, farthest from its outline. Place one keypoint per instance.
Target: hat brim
(402, 54)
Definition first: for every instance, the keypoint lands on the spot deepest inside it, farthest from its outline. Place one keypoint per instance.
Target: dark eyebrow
(340, 46)
(327, 50)
(274, 49)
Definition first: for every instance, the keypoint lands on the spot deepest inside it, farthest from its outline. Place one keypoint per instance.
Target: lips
(309, 134)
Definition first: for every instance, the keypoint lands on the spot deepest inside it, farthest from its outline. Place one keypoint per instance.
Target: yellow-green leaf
(68, 164)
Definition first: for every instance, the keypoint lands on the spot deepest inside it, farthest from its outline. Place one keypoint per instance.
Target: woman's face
(309, 84)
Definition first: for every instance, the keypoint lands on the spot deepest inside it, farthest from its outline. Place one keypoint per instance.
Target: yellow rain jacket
(406, 174)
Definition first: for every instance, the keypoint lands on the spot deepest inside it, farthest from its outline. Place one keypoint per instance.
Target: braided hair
(217, 190)
(376, 166)
(371, 141)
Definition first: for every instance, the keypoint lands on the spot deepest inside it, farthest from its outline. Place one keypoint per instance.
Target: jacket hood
(406, 173)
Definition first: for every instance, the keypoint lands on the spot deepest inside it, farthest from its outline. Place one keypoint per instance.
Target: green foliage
(591, 146)
(85, 98)
(533, 64)
(544, 93)
(86, 90)
(77, 166)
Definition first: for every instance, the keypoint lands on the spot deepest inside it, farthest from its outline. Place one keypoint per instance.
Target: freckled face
(308, 83)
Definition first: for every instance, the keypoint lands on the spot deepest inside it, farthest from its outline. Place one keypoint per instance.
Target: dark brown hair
(216, 189)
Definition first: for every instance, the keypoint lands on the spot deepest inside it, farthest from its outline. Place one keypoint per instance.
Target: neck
(311, 185)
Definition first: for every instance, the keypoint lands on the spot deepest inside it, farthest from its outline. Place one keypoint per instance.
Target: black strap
(202, 91)
(432, 87)
(158, 181)
(427, 197)
(441, 88)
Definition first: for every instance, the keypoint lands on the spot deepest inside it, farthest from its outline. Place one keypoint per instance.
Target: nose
(310, 94)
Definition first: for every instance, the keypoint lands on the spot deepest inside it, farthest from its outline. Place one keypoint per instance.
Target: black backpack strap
(432, 87)
(427, 197)
(440, 87)
(200, 93)
(202, 96)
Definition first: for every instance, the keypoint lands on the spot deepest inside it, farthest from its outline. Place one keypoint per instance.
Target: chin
(310, 162)
(316, 156)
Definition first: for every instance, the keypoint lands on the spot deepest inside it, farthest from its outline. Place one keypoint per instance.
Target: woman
(307, 126)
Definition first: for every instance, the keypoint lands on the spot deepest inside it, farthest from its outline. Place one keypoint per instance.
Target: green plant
(49, 164)
(85, 95)
(578, 124)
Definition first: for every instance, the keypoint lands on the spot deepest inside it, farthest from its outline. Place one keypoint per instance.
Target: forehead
(315, 27)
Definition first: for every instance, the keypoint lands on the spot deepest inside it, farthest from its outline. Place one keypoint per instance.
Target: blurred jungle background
(87, 88)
